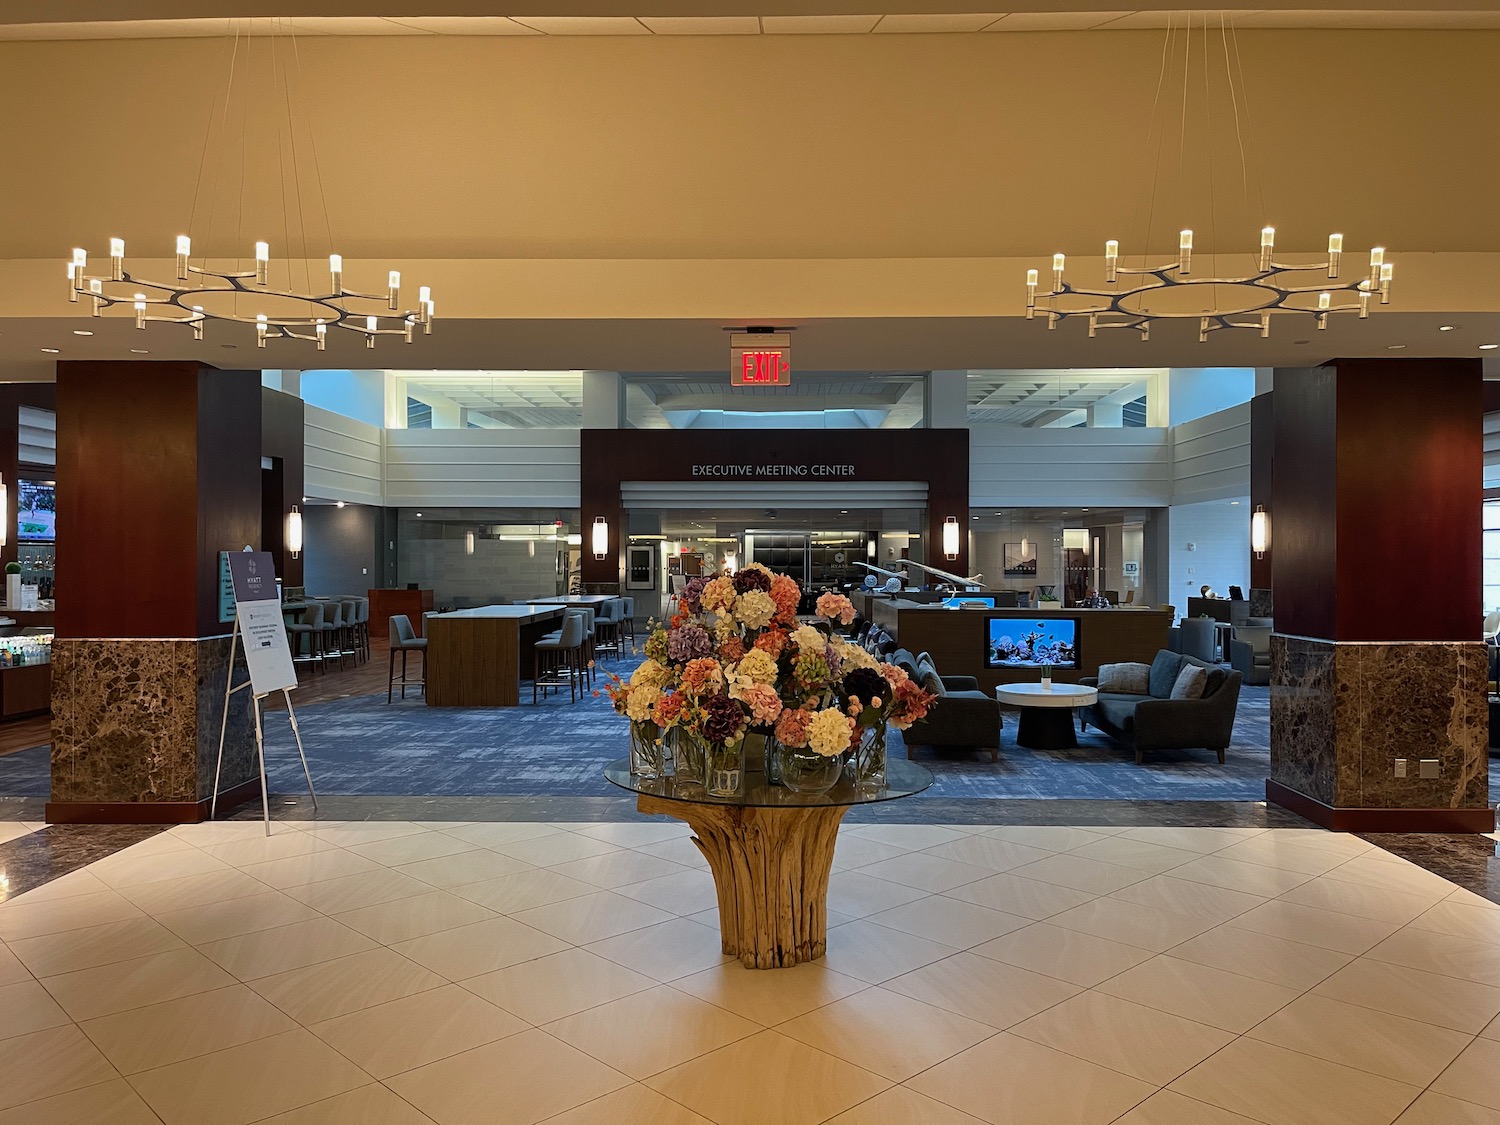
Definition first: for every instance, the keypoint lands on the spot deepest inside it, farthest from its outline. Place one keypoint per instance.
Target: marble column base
(135, 729)
(1261, 603)
(1342, 713)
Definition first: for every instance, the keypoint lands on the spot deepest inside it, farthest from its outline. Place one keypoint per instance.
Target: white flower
(755, 609)
(853, 657)
(650, 674)
(642, 699)
(828, 733)
(758, 666)
(808, 639)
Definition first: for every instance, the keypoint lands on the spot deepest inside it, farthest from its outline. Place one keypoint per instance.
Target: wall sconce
(294, 531)
(468, 542)
(4, 508)
(950, 538)
(871, 550)
(600, 539)
(1260, 531)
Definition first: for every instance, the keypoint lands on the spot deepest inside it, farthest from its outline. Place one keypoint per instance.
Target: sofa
(963, 716)
(1153, 721)
(1250, 653)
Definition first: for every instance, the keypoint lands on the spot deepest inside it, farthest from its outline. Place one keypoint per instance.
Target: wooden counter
(956, 637)
(385, 604)
(476, 657)
(25, 689)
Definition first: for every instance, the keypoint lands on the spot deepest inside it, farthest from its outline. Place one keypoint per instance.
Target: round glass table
(770, 851)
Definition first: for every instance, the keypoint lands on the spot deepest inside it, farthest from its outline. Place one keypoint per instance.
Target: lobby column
(599, 493)
(160, 467)
(1378, 469)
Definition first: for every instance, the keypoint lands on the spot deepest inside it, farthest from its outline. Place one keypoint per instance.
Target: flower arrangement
(734, 656)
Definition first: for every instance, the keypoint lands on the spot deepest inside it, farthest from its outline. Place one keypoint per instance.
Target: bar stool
(627, 620)
(332, 632)
(351, 627)
(558, 656)
(404, 640)
(309, 629)
(607, 627)
(362, 625)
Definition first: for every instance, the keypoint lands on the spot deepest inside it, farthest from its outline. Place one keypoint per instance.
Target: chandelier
(1270, 290)
(195, 283)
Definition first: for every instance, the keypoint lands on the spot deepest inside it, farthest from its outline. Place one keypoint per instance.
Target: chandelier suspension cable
(176, 302)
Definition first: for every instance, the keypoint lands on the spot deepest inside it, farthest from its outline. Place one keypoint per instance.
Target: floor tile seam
(362, 1008)
(650, 984)
(144, 1004)
(258, 929)
(1158, 1086)
(265, 887)
(248, 980)
(337, 917)
(89, 1086)
(186, 1058)
(430, 1062)
(1196, 1101)
(1258, 980)
(1313, 991)
(1219, 921)
(331, 1097)
(1343, 912)
(673, 1066)
(1119, 940)
(10, 941)
(993, 1031)
(1423, 968)
(1412, 925)
(974, 951)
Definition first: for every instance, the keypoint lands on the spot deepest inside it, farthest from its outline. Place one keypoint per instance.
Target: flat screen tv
(963, 601)
(36, 511)
(1020, 642)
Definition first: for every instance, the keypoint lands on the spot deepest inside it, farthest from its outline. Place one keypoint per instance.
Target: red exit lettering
(764, 367)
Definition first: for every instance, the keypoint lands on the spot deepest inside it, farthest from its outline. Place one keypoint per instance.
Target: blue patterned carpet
(364, 747)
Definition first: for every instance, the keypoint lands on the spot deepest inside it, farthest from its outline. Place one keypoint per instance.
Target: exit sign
(760, 359)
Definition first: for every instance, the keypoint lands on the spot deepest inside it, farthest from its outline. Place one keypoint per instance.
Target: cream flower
(757, 666)
(642, 699)
(754, 609)
(650, 674)
(828, 733)
(718, 596)
(809, 639)
(852, 656)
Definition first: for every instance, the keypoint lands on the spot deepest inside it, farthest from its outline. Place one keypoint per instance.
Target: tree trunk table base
(770, 868)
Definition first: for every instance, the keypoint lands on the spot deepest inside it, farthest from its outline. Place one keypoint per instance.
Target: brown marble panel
(1303, 731)
(240, 762)
(134, 720)
(1341, 714)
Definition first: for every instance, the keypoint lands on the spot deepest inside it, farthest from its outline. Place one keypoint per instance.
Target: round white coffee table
(1046, 712)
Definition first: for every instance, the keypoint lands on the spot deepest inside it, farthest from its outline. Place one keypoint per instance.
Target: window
(1491, 555)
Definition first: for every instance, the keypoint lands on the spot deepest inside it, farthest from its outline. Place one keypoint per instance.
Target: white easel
(260, 745)
(268, 659)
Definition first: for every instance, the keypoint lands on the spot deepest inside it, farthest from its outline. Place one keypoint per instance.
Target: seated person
(1207, 592)
(1093, 600)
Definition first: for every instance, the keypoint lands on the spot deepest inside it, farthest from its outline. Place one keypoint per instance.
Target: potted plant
(12, 585)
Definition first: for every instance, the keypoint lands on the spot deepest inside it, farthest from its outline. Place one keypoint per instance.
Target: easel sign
(268, 657)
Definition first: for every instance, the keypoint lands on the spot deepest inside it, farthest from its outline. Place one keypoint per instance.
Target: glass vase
(868, 758)
(804, 770)
(648, 752)
(724, 768)
(687, 756)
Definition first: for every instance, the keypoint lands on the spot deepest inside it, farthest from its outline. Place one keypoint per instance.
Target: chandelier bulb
(1267, 246)
(431, 310)
(1111, 259)
(184, 251)
(370, 330)
(197, 322)
(336, 270)
(96, 290)
(1265, 326)
(262, 263)
(1031, 280)
(1059, 261)
(260, 330)
(1387, 269)
(140, 310)
(1335, 252)
(1364, 300)
(393, 288)
(407, 324)
(80, 260)
(117, 259)
(72, 283)
(1184, 251)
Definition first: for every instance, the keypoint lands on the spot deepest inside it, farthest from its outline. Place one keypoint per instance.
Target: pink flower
(791, 727)
(836, 606)
(787, 595)
(764, 704)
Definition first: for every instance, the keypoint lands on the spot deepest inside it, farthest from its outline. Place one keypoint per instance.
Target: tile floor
(397, 973)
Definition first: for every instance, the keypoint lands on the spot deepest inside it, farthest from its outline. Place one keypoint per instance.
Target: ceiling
(503, 399)
(1049, 398)
(680, 401)
(895, 23)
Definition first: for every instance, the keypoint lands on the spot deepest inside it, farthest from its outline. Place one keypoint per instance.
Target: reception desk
(956, 637)
(475, 657)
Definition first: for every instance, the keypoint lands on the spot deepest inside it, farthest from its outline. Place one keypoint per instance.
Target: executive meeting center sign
(753, 472)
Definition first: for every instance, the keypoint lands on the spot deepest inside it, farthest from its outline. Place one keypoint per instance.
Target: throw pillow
(1190, 682)
(933, 683)
(1125, 679)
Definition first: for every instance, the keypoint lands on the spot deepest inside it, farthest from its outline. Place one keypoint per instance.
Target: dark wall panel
(1411, 483)
(607, 457)
(1262, 470)
(282, 439)
(229, 481)
(1304, 498)
(342, 555)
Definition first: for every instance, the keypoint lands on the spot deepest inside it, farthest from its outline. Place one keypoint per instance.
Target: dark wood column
(1379, 463)
(162, 462)
(283, 442)
(1262, 473)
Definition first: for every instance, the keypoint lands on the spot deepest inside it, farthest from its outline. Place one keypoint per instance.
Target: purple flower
(692, 594)
(866, 684)
(724, 719)
(688, 642)
(747, 580)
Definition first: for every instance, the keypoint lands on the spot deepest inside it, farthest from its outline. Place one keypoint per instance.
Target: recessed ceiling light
(340, 503)
(1395, 347)
(1488, 347)
(419, 515)
(1301, 341)
(82, 332)
(1234, 503)
(1447, 328)
(51, 351)
(230, 347)
(139, 351)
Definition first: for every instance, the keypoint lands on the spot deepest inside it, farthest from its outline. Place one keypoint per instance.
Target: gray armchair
(1198, 638)
(1250, 653)
(963, 715)
(1156, 722)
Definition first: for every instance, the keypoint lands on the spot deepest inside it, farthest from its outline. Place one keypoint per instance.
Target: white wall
(987, 555)
(1196, 391)
(481, 468)
(497, 568)
(343, 458)
(1220, 534)
(1211, 457)
(1013, 466)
